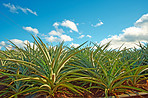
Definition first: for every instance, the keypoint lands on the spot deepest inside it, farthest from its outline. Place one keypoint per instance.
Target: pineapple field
(89, 70)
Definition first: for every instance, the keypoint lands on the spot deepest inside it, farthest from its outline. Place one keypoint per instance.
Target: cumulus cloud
(142, 21)
(56, 24)
(70, 24)
(131, 35)
(66, 38)
(81, 36)
(52, 39)
(21, 43)
(57, 34)
(53, 32)
(43, 35)
(2, 43)
(59, 38)
(14, 9)
(88, 36)
(30, 29)
(58, 31)
(74, 45)
(84, 36)
(98, 24)
(17, 42)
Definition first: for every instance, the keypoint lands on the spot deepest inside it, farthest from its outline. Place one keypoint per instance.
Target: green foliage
(48, 70)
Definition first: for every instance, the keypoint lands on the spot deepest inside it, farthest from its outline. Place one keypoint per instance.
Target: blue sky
(74, 21)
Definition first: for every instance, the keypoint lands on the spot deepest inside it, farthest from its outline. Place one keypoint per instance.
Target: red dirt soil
(96, 93)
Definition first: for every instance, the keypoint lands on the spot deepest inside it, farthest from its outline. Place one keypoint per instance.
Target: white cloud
(74, 45)
(142, 21)
(21, 43)
(59, 38)
(43, 35)
(88, 36)
(52, 39)
(53, 32)
(132, 35)
(66, 38)
(30, 29)
(56, 24)
(17, 42)
(14, 9)
(60, 31)
(70, 25)
(26, 42)
(81, 36)
(29, 10)
(98, 24)
(2, 43)
(57, 35)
